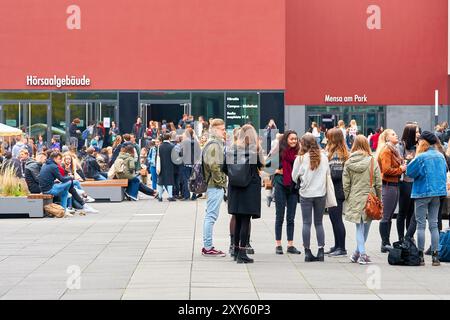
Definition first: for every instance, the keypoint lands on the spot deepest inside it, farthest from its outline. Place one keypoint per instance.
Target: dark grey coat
(167, 175)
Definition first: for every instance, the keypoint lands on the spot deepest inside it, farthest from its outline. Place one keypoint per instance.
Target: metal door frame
(24, 102)
(96, 112)
(145, 104)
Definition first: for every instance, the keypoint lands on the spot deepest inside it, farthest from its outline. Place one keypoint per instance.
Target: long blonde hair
(382, 140)
(361, 144)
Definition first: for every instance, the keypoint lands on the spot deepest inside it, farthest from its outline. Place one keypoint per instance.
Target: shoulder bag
(374, 206)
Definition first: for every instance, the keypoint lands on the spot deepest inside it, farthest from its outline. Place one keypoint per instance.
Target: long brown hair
(361, 144)
(336, 144)
(309, 145)
(117, 141)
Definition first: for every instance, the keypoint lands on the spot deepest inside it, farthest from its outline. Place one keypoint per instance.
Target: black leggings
(335, 214)
(405, 208)
(242, 230)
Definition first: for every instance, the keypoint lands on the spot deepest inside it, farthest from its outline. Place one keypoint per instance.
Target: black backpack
(239, 171)
(404, 253)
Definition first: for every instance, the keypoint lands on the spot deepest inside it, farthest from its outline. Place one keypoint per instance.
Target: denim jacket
(152, 157)
(429, 171)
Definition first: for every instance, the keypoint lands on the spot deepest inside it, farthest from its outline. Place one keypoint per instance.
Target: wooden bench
(109, 190)
(31, 206)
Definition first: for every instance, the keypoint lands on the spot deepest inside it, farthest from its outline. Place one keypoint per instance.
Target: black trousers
(77, 201)
(335, 214)
(405, 208)
(242, 230)
(146, 190)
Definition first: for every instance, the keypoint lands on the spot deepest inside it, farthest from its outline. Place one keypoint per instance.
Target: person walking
(360, 177)
(337, 155)
(429, 172)
(392, 166)
(311, 167)
(286, 193)
(244, 202)
(213, 159)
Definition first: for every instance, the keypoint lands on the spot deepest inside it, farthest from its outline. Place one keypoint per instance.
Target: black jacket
(73, 131)
(49, 173)
(32, 172)
(92, 167)
(246, 200)
(167, 174)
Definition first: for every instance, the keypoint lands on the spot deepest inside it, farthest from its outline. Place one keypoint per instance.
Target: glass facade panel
(11, 115)
(38, 121)
(92, 95)
(368, 118)
(59, 115)
(165, 96)
(241, 108)
(24, 96)
(208, 105)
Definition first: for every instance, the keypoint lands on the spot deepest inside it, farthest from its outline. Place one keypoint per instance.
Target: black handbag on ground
(404, 253)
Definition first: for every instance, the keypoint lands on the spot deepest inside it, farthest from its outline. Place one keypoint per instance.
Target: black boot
(422, 260)
(384, 227)
(231, 249)
(250, 250)
(242, 256)
(235, 252)
(435, 259)
(428, 252)
(320, 255)
(309, 257)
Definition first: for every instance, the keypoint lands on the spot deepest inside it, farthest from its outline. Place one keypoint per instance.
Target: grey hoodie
(356, 184)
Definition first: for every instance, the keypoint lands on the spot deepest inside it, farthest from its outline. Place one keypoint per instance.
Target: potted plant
(14, 196)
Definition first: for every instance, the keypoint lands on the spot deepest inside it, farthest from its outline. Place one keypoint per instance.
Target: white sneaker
(89, 199)
(89, 209)
(70, 210)
(68, 214)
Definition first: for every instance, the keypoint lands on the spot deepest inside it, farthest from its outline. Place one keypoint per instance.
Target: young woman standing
(311, 168)
(407, 150)
(244, 203)
(392, 167)
(356, 180)
(286, 195)
(429, 172)
(337, 155)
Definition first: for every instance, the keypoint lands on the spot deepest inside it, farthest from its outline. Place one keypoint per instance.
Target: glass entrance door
(30, 117)
(92, 112)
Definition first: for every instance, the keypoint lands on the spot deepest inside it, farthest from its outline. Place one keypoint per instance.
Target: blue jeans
(362, 232)
(154, 177)
(99, 177)
(215, 198)
(169, 190)
(133, 187)
(61, 190)
(185, 175)
(428, 206)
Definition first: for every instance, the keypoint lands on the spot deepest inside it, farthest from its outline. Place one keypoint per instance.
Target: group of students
(410, 172)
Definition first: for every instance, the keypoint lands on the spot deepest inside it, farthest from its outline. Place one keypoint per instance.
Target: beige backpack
(54, 210)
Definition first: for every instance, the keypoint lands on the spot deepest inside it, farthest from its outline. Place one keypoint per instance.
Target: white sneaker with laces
(89, 209)
(68, 214)
(89, 199)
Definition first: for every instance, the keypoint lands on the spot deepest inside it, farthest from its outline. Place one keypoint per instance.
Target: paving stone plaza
(152, 250)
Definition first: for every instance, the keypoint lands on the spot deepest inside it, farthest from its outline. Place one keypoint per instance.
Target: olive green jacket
(129, 166)
(356, 184)
(213, 160)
